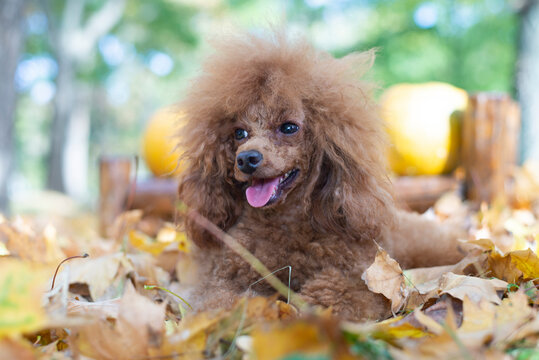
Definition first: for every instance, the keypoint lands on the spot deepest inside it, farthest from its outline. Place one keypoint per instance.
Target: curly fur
(324, 226)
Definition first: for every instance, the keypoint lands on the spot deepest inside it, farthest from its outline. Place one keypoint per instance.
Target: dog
(285, 151)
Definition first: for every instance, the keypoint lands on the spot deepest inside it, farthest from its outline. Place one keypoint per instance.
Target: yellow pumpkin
(159, 143)
(424, 123)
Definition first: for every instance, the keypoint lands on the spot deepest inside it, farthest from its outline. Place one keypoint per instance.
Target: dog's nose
(248, 161)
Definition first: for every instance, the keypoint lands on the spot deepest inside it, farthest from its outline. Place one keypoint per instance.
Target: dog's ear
(348, 192)
(206, 185)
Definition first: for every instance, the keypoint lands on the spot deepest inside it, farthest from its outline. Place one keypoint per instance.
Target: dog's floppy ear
(206, 186)
(348, 192)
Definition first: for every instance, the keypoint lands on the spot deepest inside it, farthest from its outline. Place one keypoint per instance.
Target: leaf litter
(125, 300)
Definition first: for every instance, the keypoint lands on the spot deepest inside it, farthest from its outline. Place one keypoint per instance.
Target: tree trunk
(77, 146)
(63, 102)
(528, 80)
(11, 41)
(75, 41)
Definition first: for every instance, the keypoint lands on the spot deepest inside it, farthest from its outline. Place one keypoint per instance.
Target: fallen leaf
(527, 262)
(399, 327)
(99, 309)
(140, 325)
(280, 341)
(424, 283)
(503, 267)
(145, 243)
(477, 289)
(385, 277)
(16, 348)
(101, 274)
(22, 286)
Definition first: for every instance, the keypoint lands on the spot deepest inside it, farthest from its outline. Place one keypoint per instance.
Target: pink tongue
(259, 193)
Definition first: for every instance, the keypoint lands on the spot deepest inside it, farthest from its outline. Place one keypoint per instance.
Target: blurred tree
(74, 30)
(527, 79)
(143, 30)
(11, 42)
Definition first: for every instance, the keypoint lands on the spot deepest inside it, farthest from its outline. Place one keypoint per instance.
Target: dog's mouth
(263, 192)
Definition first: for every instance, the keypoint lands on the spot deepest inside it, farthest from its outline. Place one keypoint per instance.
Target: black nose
(249, 160)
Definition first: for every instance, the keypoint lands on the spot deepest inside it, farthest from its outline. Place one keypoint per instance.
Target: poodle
(284, 151)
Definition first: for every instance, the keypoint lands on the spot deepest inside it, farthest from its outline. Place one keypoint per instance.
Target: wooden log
(156, 197)
(114, 185)
(421, 192)
(490, 140)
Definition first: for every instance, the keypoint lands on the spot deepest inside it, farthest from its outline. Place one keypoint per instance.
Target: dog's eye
(240, 134)
(289, 128)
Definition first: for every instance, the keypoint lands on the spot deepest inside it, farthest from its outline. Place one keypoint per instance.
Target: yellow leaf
(166, 236)
(503, 267)
(527, 262)
(22, 286)
(385, 277)
(483, 243)
(144, 243)
(283, 340)
(397, 328)
(184, 244)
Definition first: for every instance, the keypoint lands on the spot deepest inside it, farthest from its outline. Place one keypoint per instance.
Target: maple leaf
(527, 262)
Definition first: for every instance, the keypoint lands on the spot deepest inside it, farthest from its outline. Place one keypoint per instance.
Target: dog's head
(271, 150)
(270, 121)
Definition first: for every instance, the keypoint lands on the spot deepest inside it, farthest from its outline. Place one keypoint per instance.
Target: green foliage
(471, 45)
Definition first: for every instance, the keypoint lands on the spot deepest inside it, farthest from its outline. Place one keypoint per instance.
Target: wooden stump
(114, 184)
(156, 197)
(489, 145)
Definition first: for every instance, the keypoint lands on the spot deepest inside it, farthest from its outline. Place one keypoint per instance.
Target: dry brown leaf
(16, 349)
(424, 283)
(460, 286)
(140, 326)
(99, 309)
(385, 277)
(485, 322)
(100, 274)
(503, 268)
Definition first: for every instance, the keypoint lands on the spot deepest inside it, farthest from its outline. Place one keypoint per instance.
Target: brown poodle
(285, 152)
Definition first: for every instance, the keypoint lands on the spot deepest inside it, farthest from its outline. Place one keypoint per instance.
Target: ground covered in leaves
(124, 300)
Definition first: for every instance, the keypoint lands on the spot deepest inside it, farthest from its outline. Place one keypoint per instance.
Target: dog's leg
(348, 295)
(419, 242)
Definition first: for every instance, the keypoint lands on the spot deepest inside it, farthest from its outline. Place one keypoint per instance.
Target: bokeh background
(80, 78)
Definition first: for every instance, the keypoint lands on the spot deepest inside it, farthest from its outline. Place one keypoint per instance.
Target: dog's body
(285, 152)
